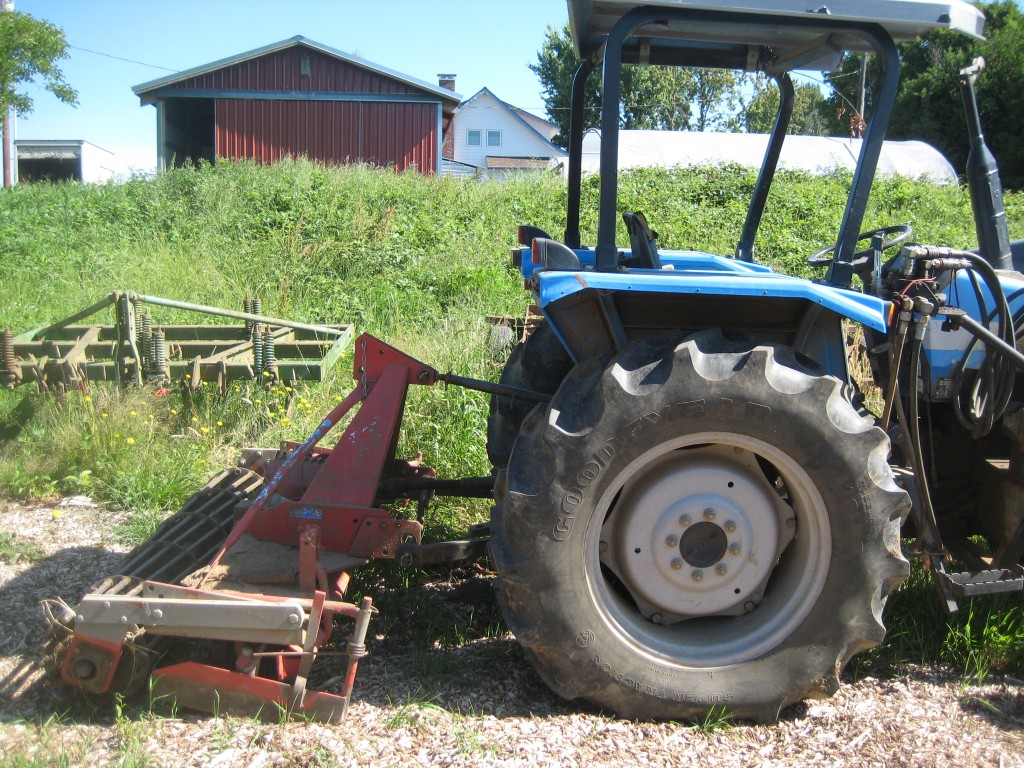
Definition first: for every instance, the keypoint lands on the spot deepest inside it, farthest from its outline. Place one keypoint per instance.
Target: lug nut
(730, 526)
(602, 547)
(721, 570)
(657, 618)
(697, 576)
(684, 520)
(734, 549)
(677, 564)
(748, 606)
(791, 523)
(671, 541)
(709, 514)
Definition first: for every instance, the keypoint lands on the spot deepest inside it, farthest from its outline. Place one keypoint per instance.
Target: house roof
(518, 114)
(143, 88)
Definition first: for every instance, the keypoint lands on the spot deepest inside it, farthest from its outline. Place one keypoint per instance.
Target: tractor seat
(641, 240)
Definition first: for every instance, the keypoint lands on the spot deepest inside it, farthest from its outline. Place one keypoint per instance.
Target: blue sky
(485, 43)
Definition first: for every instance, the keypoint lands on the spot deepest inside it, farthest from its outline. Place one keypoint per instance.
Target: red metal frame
(336, 494)
(314, 498)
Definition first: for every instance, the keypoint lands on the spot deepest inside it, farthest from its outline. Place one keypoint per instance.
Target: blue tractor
(705, 514)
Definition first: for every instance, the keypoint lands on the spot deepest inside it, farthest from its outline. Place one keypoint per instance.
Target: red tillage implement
(272, 580)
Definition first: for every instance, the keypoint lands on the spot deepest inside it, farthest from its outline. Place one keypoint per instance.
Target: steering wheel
(891, 236)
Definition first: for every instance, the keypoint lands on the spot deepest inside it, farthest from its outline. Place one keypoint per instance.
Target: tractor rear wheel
(698, 524)
(538, 364)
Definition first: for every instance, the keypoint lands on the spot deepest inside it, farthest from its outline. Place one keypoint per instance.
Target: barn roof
(146, 91)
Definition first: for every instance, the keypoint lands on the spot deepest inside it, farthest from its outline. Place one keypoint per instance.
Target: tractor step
(975, 583)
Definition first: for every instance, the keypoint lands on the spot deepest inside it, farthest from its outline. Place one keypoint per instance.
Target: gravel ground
(476, 705)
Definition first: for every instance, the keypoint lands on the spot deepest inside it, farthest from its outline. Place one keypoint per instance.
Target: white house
(494, 138)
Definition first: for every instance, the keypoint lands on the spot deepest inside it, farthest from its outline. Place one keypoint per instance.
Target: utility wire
(121, 58)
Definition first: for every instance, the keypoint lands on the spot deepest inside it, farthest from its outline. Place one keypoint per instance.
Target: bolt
(158, 614)
(293, 618)
(79, 618)
(697, 576)
(124, 619)
(424, 377)
(677, 564)
(709, 514)
(748, 606)
(602, 547)
(734, 549)
(684, 520)
(106, 603)
(721, 570)
(671, 541)
(84, 669)
(657, 618)
(730, 526)
(791, 523)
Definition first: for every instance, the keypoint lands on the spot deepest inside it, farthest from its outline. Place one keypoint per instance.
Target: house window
(494, 138)
(474, 138)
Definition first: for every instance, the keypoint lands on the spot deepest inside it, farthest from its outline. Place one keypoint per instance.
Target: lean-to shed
(298, 97)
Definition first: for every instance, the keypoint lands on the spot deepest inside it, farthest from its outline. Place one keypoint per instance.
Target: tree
(652, 97)
(928, 105)
(758, 115)
(29, 50)
(715, 95)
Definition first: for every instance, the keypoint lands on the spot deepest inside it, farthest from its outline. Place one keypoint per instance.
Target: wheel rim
(708, 550)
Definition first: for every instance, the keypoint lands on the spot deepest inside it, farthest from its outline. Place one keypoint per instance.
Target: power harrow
(261, 559)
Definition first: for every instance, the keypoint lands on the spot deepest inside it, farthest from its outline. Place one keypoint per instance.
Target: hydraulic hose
(990, 394)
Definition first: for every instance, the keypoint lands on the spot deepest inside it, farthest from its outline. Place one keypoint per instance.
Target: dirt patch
(475, 704)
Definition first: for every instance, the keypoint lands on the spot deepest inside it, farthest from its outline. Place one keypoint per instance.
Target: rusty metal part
(10, 371)
(159, 371)
(189, 538)
(107, 624)
(269, 354)
(410, 553)
(66, 354)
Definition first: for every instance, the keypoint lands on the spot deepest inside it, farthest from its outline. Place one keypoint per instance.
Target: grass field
(419, 262)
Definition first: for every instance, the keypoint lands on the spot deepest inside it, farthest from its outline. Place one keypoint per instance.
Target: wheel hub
(697, 533)
(703, 544)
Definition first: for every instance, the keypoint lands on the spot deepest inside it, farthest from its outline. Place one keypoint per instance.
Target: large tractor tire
(698, 524)
(538, 364)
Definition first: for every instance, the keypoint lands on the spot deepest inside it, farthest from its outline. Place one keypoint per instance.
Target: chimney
(446, 81)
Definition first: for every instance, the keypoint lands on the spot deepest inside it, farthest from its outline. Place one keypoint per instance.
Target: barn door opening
(188, 132)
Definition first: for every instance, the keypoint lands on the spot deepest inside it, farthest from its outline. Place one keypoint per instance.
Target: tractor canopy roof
(761, 34)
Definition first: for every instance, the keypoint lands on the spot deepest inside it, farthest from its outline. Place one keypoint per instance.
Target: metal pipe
(979, 330)
(577, 127)
(257, 318)
(494, 389)
(840, 272)
(787, 98)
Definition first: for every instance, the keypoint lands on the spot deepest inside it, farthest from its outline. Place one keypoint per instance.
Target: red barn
(299, 97)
